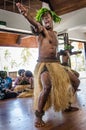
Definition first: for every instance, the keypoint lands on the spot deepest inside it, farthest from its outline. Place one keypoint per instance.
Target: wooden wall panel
(30, 42)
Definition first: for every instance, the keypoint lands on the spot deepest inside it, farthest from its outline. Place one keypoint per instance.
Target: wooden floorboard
(18, 114)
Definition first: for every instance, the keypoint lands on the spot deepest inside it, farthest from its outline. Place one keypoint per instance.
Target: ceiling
(61, 7)
(9, 5)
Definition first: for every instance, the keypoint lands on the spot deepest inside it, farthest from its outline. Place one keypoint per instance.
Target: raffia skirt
(61, 93)
(24, 91)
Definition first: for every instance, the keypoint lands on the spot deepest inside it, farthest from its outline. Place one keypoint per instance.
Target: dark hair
(28, 73)
(21, 71)
(3, 74)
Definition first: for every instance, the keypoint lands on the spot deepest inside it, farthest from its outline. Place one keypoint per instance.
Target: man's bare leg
(75, 83)
(74, 80)
(46, 84)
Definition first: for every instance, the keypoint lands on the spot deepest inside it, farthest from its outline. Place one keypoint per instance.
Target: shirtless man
(51, 81)
(66, 58)
(67, 63)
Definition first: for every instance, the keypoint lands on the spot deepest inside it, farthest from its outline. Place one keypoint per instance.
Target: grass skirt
(61, 93)
(24, 91)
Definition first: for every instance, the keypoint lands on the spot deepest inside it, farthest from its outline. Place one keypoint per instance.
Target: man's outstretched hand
(22, 9)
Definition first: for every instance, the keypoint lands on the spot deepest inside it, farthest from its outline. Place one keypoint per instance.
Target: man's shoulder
(55, 32)
(9, 78)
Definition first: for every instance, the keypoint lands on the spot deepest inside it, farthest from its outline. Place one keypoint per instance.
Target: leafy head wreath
(43, 11)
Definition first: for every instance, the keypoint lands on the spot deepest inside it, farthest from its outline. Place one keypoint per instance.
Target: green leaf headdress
(68, 47)
(44, 10)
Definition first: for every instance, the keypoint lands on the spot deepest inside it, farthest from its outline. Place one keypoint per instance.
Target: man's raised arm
(24, 12)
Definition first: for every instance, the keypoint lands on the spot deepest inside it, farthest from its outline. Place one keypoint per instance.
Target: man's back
(8, 82)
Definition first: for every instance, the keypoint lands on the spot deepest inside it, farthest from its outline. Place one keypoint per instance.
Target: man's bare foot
(39, 123)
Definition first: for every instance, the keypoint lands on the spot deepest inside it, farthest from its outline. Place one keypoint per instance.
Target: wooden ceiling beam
(17, 40)
(59, 6)
(65, 6)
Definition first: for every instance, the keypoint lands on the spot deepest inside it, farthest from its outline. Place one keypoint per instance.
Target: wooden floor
(17, 114)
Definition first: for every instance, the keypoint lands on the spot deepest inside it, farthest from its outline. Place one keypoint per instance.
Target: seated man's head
(28, 73)
(3, 74)
(21, 72)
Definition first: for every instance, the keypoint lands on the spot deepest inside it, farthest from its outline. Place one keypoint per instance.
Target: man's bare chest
(53, 37)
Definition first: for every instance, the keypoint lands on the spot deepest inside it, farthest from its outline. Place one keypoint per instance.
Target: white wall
(77, 35)
(14, 20)
(74, 24)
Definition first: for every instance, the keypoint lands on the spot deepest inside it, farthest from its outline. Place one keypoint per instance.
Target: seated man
(5, 86)
(67, 64)
(20, 79)
(24, 81)
(8, 81)
(25, 89)
(29, 78)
